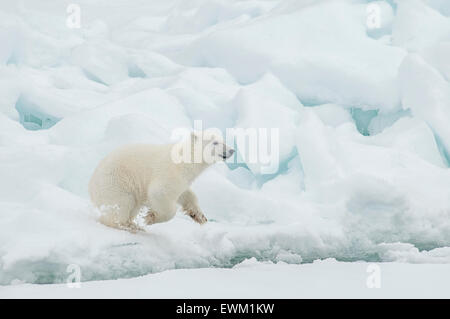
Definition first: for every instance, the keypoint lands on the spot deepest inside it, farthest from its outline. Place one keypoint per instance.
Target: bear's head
(205, 147)
(211, 145)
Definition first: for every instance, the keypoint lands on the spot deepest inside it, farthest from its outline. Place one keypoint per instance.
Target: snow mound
(362, 113)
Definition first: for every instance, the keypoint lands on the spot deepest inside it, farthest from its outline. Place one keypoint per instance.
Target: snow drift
(363, 117)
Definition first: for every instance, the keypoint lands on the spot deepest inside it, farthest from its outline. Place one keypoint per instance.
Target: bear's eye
(215, 143)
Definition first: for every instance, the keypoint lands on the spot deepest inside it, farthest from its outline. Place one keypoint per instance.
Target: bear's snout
(228, 153)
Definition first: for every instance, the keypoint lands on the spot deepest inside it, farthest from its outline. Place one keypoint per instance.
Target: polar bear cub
(155, 178)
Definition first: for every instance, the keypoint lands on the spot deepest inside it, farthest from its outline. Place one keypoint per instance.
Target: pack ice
(363, 114)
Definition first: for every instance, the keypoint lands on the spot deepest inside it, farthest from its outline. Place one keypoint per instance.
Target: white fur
(145, 175)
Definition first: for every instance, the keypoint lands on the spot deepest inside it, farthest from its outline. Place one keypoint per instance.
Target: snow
(427, 94)
(362, 169)
(253, 103)
(418, 26)
(322, 53)
(324, 279)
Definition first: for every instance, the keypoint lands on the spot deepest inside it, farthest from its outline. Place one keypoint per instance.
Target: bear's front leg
(189, 203)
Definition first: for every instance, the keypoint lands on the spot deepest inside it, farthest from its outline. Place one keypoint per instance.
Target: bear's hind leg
(117, 213)
(160, 209)
(150, 217)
